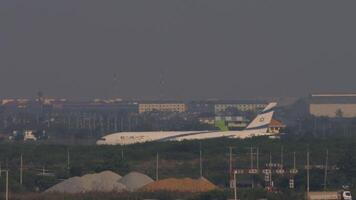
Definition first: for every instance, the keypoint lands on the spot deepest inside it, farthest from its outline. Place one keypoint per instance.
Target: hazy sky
(204, 49)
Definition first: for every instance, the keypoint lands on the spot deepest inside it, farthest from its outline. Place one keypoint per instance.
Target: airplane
(257, 127)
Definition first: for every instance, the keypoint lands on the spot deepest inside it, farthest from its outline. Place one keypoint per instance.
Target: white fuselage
(125, 138)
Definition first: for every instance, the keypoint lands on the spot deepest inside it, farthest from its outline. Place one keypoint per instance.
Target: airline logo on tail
(262, 121)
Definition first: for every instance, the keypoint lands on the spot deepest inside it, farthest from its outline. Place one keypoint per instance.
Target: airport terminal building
(333, 105)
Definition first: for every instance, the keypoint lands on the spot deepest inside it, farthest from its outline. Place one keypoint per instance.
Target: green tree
(76, 171)
(339, 113)
(347, 162)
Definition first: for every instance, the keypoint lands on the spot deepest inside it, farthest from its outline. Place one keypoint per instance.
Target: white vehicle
(29, 136)
(330, 195)
(258, 127)
(346, 195)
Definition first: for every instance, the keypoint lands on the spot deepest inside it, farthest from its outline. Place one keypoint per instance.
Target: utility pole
(270, 167)
(230, 161)
(282, 149)
(129, 116)
(235, 185)
(115, 123)
(258, 159)
(251, 157)
(157, 166)
(122, 153)
(270, 159)
(230, 167)
(294, 161)
(21, 169)
(68, 160)
(7, 183)
(326, 169)
(291, 179)
(200, 160)
(121, 123)
(308, 177)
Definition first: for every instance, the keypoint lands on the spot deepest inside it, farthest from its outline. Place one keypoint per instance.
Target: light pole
(230, 167)
(308, 176)
(21, 169)
(200, 161)
(68, 159)
(235, 187)
(326, 169)
(157, 166)
(7, 183)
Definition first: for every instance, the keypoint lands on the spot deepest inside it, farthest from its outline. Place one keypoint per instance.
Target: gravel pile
(134, 181)
(181, 185)
(106, 181)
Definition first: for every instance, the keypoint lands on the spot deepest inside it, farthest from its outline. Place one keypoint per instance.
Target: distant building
(207, 120)
(230, 121)
(275, 126)
(241, 105)
(15, 103)
(201, 107)
(128, 107)
(162, 107)
(333, 105)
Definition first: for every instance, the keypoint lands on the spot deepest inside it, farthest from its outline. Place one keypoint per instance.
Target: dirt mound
(134, 180)
(106, 181)
(180, 185)
(71, 185)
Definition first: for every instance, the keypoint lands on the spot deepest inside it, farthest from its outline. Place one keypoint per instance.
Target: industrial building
(162, 107)
(333, 105)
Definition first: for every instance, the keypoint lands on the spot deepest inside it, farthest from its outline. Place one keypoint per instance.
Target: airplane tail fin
(263, 119)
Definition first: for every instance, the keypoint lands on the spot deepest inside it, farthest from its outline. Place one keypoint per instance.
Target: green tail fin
(221, 125)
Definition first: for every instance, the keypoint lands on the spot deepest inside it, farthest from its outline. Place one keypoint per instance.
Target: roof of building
(240, 102)
(347, 98)
(276, 123)
(334, 95)
(161, 102)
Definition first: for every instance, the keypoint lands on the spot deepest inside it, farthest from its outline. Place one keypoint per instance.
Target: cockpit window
(102, 139)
